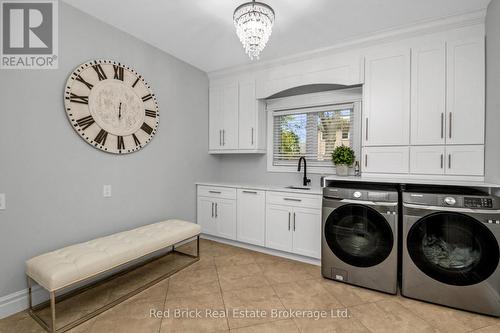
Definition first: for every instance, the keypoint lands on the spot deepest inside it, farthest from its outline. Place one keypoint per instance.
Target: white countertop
(277, 188)
(412, 180)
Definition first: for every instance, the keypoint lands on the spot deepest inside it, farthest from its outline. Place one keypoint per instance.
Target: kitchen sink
(293, 187)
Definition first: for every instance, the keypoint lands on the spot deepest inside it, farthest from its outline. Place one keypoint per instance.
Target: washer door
(453, 248)
(359, 235)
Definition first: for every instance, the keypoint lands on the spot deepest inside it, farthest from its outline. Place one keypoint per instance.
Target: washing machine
(451, 249)
(359, 236)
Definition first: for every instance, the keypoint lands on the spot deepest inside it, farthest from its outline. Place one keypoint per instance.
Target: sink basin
(293, 187)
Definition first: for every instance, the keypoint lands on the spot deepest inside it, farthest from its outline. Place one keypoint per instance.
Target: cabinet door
(230, 105)
(215, 117)
(428, 94)
(306, 228)
(466, 92)
(387, 98)
(278, 227)
(427, 160)
(386, 159)
(205, 216)
(465, 160)
(251, 217)
(247, 119)
(225, 217)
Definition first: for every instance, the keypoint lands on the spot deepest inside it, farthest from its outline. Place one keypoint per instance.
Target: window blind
(311, 132)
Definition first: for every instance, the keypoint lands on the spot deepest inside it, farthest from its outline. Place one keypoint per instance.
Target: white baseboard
(266, 250)
(18, 301)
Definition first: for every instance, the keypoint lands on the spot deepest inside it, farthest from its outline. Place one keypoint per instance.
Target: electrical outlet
(2, 201)
(106, 191)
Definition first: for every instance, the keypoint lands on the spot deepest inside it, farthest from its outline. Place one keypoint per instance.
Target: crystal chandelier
(254, 23)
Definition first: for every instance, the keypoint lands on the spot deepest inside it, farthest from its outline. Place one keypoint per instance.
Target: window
(313, 132)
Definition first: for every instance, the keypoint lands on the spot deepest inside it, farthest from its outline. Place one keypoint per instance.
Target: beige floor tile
(350, 295)
(240, 277)
(282, 326)
(306, 295)
(20, 323)
(197, 283)
(263, 258)
(285, 272)
(206, 322)
(260, 302)
(331, 325)
(133, 315)
(240, 258)
(389, 316)
(447, 319)
(489, 329)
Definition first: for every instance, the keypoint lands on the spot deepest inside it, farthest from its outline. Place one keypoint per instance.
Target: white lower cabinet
(289, 222)
(216, 214)
(293, 227)
(278, 228)
(251, 216)
(447, 160)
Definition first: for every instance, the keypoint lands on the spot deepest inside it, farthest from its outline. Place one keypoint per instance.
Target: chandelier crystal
(254, 23)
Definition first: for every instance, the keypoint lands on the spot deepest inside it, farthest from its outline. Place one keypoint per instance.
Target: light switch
(106, 191)
(2, 201)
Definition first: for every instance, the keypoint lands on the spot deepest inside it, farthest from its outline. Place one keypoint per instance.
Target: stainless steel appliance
(451, 249)
(359, 236)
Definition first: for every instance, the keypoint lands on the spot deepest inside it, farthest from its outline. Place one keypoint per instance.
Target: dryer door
(453, 248)
(359, 235)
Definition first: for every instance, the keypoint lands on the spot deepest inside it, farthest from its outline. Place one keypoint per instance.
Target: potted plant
(343, 157)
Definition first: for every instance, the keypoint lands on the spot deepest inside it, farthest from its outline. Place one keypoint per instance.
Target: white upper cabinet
(223, 117)
(387, 98)
(252, 125)
(465, 160)
(385, 160)
(428, 94)
(236, 118)
(465, 95)
(427, 160)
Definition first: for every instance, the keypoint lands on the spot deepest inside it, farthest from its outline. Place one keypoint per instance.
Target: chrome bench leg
(53, 311)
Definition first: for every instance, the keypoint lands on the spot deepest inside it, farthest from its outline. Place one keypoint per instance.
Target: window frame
(299, 104)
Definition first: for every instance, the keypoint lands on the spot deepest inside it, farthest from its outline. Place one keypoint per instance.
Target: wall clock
(111, 106)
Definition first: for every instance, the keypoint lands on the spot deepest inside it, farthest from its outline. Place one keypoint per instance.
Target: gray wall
(492, 92)
(53, 179)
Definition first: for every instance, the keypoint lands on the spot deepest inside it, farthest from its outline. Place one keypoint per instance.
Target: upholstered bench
(66, 267)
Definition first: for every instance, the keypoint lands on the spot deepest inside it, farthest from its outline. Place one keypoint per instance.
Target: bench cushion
(63, 267)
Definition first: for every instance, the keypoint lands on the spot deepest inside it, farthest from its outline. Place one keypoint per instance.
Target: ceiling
(201, 32)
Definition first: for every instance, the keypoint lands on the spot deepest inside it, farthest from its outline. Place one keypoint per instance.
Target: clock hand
(120, 111)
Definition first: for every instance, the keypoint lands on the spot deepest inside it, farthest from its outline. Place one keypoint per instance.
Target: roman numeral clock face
(111, 106)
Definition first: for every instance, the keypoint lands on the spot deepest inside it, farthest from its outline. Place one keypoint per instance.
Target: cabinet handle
(212, 209)
(220, 137)
(292, 199)
(216, 211)
(289, 217)
(366, 129)
(223, 137)
(214, 192)
(449, 161)
(451, 124)
(366, 160)
(294, 221)
(442, 125)
(252, 136)
(442, 157)
(250, 192)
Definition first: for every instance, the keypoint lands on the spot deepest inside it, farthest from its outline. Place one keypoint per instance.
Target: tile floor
(229, 278)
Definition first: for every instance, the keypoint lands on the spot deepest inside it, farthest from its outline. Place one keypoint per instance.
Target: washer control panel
(478, 202)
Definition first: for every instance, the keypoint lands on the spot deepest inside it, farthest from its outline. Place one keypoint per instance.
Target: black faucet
(305, 180)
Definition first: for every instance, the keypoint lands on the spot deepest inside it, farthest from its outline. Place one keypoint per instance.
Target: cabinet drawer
(217, 192)
(294, 199)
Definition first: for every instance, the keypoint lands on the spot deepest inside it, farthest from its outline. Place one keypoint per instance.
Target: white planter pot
(342, 170)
